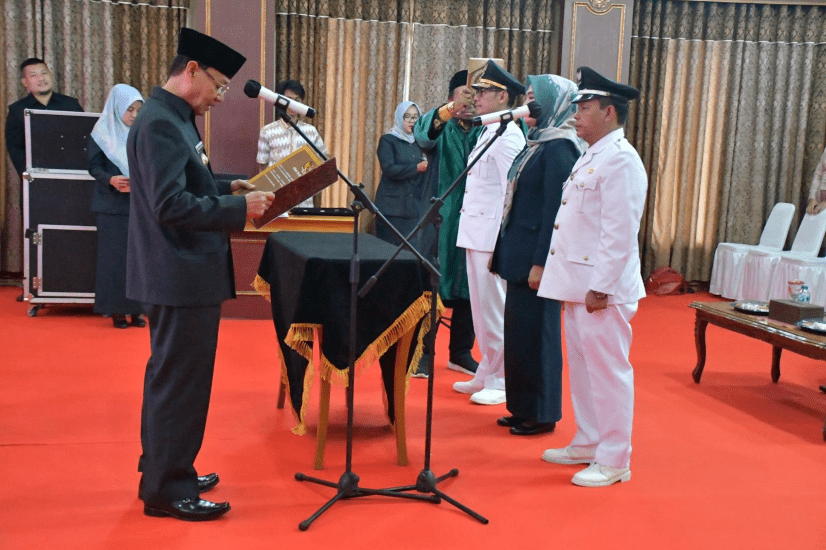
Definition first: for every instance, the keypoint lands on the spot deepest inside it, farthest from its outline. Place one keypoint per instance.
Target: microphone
(533, 109)
(255, 90)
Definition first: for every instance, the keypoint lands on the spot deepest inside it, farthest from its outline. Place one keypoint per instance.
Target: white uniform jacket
(595, 241)
(487, 183)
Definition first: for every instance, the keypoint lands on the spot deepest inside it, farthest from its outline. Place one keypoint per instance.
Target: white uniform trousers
(487, 305)
(601, 379)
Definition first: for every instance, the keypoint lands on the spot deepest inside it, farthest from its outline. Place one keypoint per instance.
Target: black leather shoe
(189, 509)
(119, 321)
(511, 421)
(205, 483)
(533, 428)
(138, 321)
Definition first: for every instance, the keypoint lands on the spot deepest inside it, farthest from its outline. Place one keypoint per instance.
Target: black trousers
(462, 335)
(110, 272)
(176, 393)
(533, 355)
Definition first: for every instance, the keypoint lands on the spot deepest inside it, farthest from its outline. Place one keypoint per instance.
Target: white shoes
(569, 455)
(488, 397)
(597, 475)
(469, 387)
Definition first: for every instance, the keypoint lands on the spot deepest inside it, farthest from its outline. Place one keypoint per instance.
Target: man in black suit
(179, 266)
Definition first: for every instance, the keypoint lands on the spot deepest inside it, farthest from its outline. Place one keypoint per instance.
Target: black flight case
(59, 232)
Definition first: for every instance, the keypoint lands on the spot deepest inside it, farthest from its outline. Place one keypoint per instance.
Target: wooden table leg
(323, 420)
(282, 394)
(700, 325)
(323, 401)
(776, 350)
(400, 381)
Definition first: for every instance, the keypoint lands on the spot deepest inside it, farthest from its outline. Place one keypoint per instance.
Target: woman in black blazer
(109, 167)
(399, 196)
(533, 348)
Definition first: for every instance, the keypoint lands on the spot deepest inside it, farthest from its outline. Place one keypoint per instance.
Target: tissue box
(790, 311)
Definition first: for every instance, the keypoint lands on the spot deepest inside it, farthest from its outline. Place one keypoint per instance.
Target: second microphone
(254, 90)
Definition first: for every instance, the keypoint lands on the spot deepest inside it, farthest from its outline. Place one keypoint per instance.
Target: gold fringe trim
(413, 367)
(262, 287)
(301, 338)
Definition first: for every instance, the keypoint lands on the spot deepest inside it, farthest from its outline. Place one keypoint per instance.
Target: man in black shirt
(37, 79)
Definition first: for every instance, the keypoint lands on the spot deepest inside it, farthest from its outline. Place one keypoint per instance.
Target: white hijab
(110, 132)
(398, 126)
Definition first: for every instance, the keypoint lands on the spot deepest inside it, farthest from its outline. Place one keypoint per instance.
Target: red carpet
(735, 462)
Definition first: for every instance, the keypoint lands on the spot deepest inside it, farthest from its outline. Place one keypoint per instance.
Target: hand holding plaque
(292, 180)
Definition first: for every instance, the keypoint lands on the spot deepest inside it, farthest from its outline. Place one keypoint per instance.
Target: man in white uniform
(593, 266)
(479, 224)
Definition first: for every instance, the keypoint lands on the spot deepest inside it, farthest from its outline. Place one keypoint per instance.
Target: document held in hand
(293, 179)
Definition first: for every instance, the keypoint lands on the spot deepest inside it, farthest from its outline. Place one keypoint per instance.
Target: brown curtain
(89, 46)
(352, 58)
(732, 120)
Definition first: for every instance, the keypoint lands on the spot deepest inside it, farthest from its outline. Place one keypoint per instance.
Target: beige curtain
(732, 119)
(352, 58)
(89, 45)
(526, 34)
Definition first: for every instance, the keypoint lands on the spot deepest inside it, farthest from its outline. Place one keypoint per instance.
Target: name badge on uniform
(200, 150)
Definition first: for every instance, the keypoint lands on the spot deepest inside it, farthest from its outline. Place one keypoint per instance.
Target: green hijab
(554, 94)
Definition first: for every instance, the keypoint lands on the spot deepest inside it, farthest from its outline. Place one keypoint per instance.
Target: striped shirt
(277, 140)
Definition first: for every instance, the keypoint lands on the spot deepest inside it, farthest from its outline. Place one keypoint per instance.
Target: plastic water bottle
(804, 296)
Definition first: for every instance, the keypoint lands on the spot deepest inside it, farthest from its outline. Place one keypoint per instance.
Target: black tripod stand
(348, 484)
(426, 481)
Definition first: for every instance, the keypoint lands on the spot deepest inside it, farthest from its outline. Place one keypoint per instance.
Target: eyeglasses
(220, 90)
(411, 118)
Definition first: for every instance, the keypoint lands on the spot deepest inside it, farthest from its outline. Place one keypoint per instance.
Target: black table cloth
(307, 276)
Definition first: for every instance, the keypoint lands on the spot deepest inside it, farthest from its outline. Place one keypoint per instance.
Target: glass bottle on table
(803, 296)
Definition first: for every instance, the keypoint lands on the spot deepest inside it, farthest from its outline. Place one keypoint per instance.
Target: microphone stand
(426, 481)
(348, 484)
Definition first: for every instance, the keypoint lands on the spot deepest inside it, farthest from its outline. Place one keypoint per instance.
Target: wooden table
(307, 275)
(780, 335)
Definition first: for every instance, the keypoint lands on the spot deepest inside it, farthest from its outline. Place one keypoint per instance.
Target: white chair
(760, 265)
(729, 258)
(812, 271)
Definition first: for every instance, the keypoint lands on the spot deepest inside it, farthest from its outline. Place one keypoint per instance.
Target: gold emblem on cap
(491, 83)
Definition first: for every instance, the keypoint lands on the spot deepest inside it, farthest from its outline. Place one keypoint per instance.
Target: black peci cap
(458, 79)
(593, 85)
(497, 77)
(213, 53)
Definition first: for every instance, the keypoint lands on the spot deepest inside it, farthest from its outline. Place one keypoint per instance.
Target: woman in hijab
(108, 165)
(402, 175)
(533, 348)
